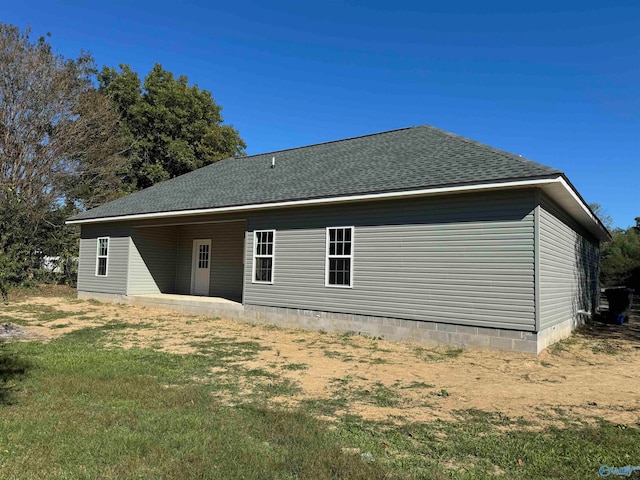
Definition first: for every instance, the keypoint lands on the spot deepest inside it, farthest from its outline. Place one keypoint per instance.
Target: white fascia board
(557, 187)
(579, 201)
(327, 201)
(588, 219)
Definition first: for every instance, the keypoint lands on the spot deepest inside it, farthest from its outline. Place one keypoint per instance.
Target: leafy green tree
(16, 242)
(620, 258)
(25, 240)
(171, 127)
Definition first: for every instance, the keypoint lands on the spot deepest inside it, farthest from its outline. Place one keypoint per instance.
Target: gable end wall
(569, 266)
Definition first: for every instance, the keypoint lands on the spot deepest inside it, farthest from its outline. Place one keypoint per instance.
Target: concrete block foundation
(396, 329)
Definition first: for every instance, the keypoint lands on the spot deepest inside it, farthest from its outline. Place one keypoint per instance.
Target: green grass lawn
(74, 409)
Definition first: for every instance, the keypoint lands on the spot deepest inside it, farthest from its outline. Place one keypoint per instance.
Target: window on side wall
(263, 247)
(339, 259)
(102, 259)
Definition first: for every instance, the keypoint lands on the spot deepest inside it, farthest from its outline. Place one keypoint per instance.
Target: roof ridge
(519, 158)
(325, 143)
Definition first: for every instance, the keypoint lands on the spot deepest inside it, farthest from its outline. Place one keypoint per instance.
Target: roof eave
(565, 194)
(555, 185)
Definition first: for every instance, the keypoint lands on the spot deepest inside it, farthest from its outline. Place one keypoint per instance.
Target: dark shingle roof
(405, 159)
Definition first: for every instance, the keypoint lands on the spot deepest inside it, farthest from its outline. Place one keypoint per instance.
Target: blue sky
(556, 82)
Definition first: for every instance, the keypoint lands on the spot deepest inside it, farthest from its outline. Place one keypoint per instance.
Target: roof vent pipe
(273, 162)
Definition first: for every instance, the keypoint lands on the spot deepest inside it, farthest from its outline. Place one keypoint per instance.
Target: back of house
(414, 234)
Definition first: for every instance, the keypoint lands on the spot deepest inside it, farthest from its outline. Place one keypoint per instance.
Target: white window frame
(98, 257)
(328, 257)
(255, 256)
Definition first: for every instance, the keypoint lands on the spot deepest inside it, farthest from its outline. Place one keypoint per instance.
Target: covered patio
(170, 262)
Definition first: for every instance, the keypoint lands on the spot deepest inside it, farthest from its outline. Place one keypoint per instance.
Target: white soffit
(565, 196)
(556, 187)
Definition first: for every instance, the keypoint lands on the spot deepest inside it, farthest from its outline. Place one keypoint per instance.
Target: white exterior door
(201, 267)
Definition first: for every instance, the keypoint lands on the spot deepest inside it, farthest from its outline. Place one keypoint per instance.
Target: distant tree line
(620, 258)
(73, 137)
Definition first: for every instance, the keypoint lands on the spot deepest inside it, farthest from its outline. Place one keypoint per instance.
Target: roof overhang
(556, 187)
(565, 195)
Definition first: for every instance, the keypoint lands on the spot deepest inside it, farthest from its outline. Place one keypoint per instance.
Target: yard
(107, 391)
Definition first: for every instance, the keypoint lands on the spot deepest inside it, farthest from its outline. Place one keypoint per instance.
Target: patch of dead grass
(576, 378)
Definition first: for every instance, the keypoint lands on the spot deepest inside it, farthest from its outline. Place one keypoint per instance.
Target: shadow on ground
(11, 368)
(604, 327)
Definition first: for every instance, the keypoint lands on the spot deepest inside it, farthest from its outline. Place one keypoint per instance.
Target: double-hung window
(339, 261)
(102, 259)
(263, 243)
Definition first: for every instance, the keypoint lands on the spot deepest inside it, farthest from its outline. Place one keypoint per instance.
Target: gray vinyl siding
(569, 263)
(227, 240)
(152, 260)
(459, 259)
(116, 279)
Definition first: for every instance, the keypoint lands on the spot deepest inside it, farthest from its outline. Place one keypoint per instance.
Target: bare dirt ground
(594, 374)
